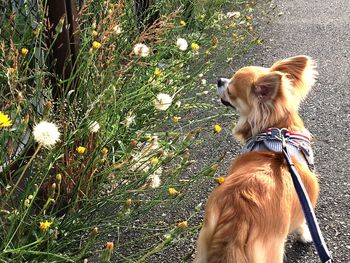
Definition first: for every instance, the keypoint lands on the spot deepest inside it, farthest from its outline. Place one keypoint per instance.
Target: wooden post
(63, 14)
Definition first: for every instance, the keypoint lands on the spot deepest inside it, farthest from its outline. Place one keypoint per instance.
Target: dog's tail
(215, 242)
(300, 70)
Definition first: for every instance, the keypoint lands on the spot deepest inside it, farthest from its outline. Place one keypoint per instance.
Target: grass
(122, 151)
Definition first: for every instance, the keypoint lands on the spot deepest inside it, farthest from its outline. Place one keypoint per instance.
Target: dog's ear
(300, 70)
(266, 87)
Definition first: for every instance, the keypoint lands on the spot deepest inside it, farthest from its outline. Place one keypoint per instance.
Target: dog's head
(268, 97)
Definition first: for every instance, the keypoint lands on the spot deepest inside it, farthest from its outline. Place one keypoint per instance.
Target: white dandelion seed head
(141, 50)
(154, 178)
(94, 127)
(46, 134)
(162, 101)
(233, 14)
(130, 119)
(182, 44)
(117, 29)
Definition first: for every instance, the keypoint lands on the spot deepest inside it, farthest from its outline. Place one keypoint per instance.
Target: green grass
(114, 182)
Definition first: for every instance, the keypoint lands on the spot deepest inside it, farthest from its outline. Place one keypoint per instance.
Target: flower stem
(24, 170)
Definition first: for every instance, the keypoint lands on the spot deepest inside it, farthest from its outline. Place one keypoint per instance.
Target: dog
(248, 217)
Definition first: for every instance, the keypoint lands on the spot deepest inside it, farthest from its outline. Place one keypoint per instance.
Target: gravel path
(319, 29)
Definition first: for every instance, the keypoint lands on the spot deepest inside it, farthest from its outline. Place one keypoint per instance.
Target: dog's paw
(303, 234)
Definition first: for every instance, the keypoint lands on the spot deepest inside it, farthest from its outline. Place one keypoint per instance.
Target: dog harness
(297, 142)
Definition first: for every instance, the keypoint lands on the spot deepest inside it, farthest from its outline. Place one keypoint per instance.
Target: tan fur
(249, 216)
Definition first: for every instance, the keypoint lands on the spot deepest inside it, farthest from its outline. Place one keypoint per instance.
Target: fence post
(143, 16)
(66, 46)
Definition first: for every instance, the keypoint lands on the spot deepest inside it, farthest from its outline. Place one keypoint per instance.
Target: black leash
(309, 214)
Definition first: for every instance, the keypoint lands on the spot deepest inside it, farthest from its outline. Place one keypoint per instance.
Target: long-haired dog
(248, 217)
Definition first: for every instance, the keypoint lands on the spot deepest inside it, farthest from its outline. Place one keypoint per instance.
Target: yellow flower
(104, 151)
(183, 224)
(44, 226)
(207, 52)
(129, 202)
(154, 161)
(251, 28)
(182, 22)
(248, 18)
(194, 46)
(157, 72)
(176, 119)
(201, 17)
(81, 149)
(96, 45)
(220, 179)
(217, 128)
(5, 121)
(94, 33)
(226, 27)
(24, 51)
(172, 191)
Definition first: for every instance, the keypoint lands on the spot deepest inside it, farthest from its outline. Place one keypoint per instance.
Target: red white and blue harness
(298, 145)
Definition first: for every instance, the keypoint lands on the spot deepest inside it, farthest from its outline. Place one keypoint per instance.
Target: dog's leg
(303, 234)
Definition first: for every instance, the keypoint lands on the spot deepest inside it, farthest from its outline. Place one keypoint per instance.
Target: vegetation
(89, 155)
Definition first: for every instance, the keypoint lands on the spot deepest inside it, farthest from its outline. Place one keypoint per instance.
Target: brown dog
(249, 216)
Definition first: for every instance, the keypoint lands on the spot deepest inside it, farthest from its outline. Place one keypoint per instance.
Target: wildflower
(201, 17)
(204, 82)
(24, 51)
(94, 127)
(176, 119)
(172, 191)
(129, 119)
(162, 101)
(217, 128)
(94, 33)
(207, 53)
(44, 226)
(194, 46)
(220, 179)
(109, 246)
(182, 22)
(81, 149)
(233, 14)
(141, 50)
(107, 252)
(96, 45)
(154, 179)
(251, 28)
(94, 232)
(178, 104)
(117, 29)
(226, 27)
(154, 161)
(248, 18)
(104, 151)
(157, 72)
(129, 202)
(182, 44)
(5, 121)
(46, 134)
(59, 178)
(183, 224)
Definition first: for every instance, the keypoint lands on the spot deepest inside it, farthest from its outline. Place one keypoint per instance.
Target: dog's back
(249, 216)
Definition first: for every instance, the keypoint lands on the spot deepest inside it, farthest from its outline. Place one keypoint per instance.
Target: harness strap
(309, 214)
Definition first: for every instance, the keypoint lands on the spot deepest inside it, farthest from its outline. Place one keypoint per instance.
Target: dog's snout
(221, 82)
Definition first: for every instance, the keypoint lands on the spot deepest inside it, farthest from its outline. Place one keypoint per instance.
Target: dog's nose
(220, 82)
